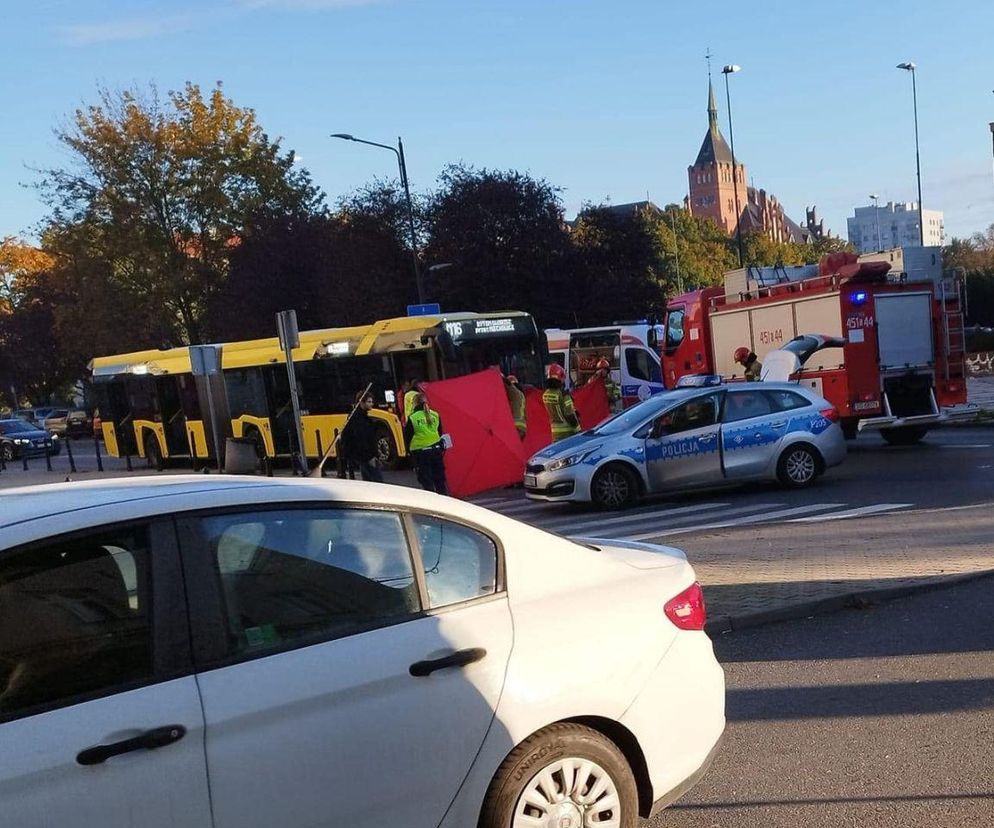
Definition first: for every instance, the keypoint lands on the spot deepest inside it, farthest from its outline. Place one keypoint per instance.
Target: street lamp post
(731, 69)
(399, 152)
(991, 125)
(876, 216)
(910, 67)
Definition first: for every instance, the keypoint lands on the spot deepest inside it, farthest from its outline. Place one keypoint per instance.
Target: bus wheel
(386, 449)
(904, 436)
(153, 454)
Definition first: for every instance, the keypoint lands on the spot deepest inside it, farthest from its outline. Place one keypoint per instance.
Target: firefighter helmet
(742, 354)
(556, 371)
(603, 363)
(513, 380)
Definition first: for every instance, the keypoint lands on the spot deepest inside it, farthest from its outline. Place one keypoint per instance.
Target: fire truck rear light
(687, 610)
(830, 414)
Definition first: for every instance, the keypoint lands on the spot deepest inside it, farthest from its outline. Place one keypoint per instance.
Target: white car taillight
(687, 610)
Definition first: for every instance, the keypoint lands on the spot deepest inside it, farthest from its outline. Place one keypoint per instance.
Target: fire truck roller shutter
(821, 315)
(904, 329)
(729, 330)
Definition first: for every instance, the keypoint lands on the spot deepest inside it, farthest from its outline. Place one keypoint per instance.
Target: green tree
(167, 188)
(504, 235)
(622, 267)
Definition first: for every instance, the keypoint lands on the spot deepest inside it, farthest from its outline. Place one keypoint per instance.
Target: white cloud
(304, 4)
(143, 28)
(137, 28)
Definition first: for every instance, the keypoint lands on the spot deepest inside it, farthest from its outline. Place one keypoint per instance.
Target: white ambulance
(630, 347)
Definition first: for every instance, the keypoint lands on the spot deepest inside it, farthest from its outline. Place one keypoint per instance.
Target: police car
(705, 435)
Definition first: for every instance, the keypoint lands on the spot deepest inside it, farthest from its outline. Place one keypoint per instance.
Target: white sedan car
(241, 652)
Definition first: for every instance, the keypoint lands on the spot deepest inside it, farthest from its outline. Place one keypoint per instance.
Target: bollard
(294, 463)
(268, 461)
(96, 445)
(72, 460)
(127, 460)
(48, 459)
(317, 436)
(24, 461)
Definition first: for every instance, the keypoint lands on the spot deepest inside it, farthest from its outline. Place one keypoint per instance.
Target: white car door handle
(460, 658)
(149, 740)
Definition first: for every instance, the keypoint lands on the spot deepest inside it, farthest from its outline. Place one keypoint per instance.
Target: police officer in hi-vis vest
(424, 429)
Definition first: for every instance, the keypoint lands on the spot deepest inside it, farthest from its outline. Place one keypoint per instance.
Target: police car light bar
(698, 381)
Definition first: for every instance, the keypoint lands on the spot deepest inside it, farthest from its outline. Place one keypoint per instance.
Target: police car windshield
(632, 417)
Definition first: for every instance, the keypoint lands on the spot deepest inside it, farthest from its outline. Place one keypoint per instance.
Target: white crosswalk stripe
(657, 521)
(764, 517)
(876, 509)
(664, 513)
(665, 519)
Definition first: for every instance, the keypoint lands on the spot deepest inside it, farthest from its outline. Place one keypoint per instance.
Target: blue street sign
(430, 309)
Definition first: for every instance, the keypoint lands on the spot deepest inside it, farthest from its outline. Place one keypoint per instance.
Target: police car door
(682, 447)
(751, 431)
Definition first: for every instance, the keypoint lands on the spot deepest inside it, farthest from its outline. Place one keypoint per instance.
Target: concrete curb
(822, 606)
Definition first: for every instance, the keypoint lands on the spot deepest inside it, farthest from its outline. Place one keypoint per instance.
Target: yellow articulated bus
(150, 405)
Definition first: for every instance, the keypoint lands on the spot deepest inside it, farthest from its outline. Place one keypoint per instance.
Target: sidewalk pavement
(758, 575)
(980, 392)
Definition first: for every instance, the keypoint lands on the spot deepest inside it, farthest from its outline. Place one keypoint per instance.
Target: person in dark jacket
(359, 442)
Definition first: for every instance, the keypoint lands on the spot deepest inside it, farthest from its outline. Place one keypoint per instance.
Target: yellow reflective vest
(425, 426)
(562, 414)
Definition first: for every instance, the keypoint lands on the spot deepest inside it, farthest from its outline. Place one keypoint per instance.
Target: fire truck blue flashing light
(859, 297)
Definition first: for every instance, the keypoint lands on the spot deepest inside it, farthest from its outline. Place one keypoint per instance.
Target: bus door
(280, 408)
(171, 411)
(115, 410)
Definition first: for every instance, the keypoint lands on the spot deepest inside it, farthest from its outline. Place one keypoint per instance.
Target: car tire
(614, 487)
(904, 436)
(540, 779)
(153, 454)
(798, 466)
(8, 453)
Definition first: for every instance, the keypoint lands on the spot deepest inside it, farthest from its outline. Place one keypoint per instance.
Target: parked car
(68, 423)
(255, 652)
(34, 415)
(691, 437)
(19, 438)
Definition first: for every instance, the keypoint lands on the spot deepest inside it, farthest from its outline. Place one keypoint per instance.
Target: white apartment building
(892, 225)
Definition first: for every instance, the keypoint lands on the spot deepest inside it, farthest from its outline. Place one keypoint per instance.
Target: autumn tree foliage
(167, 187)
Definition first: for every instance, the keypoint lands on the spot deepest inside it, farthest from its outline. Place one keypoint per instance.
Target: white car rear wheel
(564, 776)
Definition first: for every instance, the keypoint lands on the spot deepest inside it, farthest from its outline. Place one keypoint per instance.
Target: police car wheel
(798, 467)
(614, 487)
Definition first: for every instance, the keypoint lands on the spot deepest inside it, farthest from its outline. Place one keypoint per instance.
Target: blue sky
(604, 99)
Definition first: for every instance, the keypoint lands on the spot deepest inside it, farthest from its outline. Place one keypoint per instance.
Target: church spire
(712, 107)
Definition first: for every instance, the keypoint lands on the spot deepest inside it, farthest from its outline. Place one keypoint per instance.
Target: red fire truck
(890, 351)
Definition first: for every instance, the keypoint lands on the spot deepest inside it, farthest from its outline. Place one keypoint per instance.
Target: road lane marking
(653, 520)
(851, 513)
(965, 445)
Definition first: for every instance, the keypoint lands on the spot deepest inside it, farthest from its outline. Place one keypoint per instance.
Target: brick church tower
(712, 189)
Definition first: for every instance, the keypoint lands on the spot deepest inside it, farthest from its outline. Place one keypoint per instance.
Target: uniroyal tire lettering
(550, 751)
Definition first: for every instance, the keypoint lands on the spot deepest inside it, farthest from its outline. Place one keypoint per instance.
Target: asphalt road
(874, 717)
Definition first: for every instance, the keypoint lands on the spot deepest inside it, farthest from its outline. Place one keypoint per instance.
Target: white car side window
(460, 563)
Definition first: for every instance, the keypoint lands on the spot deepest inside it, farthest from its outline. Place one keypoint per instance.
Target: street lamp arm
(345, 137)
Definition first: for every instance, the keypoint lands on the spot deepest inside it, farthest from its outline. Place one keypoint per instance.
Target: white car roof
(175, 493)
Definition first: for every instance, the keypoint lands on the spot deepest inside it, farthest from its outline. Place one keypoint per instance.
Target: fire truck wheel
(799, 466)
(904, 436)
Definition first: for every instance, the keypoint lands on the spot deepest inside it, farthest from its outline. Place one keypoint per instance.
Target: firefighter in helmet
(516, 400)
(613, 392)
(559, 404)
(748, 360)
